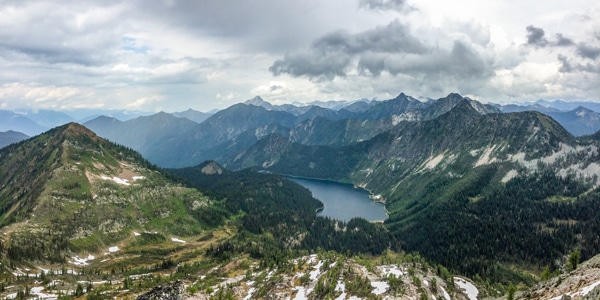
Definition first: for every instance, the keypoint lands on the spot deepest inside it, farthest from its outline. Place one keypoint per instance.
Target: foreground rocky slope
(581, 283)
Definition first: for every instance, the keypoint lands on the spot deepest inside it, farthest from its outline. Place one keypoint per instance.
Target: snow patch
(301, 293)
(135, 233)
(446, 295)
(78, 261)
(37, 292)
(315, 274)
(470, 290)
(116, 180)
(390, 269)
(250, 292)
(134, 178)
(380, 287)
(112, 249)
(173, 239)
(341, 287)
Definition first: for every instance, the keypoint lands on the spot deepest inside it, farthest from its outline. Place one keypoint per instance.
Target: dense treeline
(270, 204)
(531, 220)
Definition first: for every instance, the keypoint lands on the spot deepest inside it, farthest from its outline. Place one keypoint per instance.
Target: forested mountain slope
(474, 192)
(68, 190)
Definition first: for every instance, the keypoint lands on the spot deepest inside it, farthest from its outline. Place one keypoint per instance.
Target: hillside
(87, 212)
(409, 144)
(453, 182)
(68, 190)
(580, 283)
(578, 121)
(10, 137)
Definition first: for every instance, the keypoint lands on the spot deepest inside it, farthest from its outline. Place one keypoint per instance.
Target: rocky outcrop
(582, 283)
(172, 291)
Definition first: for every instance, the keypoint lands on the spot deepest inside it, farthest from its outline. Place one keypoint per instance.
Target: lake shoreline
(343, 201)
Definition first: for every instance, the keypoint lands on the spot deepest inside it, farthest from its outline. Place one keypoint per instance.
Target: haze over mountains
(580, 118)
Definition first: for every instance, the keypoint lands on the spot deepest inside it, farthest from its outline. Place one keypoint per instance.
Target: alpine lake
(342, 201)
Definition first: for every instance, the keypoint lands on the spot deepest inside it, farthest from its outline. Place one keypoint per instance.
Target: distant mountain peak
(466, 105)
(258, 101)
(582, 109)
(454, 96)
(403, 96)
(75, 130)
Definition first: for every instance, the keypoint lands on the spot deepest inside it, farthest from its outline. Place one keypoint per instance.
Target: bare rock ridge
(171, 291)
(581, 283)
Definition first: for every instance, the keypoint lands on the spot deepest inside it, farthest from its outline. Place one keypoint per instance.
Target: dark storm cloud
(563, 41)
(587, 51)
(536, 36)
(392, 49)
(333, 54)
(397, 5)
(565, 66)
(275, 87)
(461, 62)
(315, 64)
(395, 37)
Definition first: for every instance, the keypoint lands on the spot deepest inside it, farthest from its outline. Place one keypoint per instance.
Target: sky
(173, 55)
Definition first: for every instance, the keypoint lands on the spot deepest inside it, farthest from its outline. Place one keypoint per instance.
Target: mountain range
(10, 137)
(579, 118)
(501, 197)
(232, 130)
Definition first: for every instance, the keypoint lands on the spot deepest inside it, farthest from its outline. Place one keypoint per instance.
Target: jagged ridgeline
(476, 192)
(70, 190)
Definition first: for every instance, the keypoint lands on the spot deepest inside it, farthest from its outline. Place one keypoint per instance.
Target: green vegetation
(573, 260)
(511, 224)
(281, 213)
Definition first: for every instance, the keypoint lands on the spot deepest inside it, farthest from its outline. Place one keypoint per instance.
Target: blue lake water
(342, 201)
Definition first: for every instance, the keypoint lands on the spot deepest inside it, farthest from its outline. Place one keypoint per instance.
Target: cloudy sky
(173, 55)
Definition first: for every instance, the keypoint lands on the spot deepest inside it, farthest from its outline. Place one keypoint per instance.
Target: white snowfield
(121, 180)
(78, 261)
(176, 240)
(471, 291)
(112, 249)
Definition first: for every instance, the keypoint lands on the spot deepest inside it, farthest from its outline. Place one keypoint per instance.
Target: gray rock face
(173, 291)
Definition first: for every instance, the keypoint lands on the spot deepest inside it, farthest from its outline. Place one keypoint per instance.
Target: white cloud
(33, 95)
(204, 54)
(139, 103)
